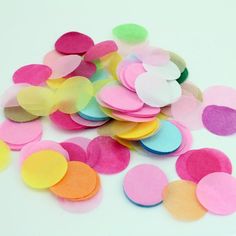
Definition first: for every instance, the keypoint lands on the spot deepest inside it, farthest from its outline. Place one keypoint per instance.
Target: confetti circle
(166, 140)
(43, 169)
(20, 133)
(107, 156)
(74, 94)
(100, 50)
(130, 33)
(34, 74)
(155, 91)
(80, 180)
(144, 184)
(179, 198)
(111, 95)
(195, 164)
(73, 43)
(219, 120)
(217, 193)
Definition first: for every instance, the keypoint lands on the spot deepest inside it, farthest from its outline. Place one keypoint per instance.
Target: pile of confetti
(139, 98)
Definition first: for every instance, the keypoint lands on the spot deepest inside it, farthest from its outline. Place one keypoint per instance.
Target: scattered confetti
(141, 100)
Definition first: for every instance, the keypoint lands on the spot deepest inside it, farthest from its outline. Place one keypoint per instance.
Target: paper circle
(20, 133)
(38, 101)
(179, 198)
(219, 120)
(73, 43)
(76, 153)
(155, 91)
(166, 140)
(80, 180)
(99, 50)
(107, 156)
(34, 74)
(144, 184)
(217, 193)
(44, 169)
(111, 95)
(130, 33)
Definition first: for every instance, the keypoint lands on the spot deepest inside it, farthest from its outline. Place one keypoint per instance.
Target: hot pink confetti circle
(73, 43)
(217, 193)
(64, 121)
(34, 74)
(195, 164)
(107, 156)
(76, 153)
(144, 185)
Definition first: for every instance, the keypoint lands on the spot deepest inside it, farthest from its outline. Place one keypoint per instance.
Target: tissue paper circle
(76, 153)
(20, 133)
(179, 198)
(195, 164)
(155, 91)
(87, 123)
(179, 61)
(64, 121)
(141, 130)
(220, 95)
(34, 74)
(93, 111)
(65, 65)
(80, 180)
(5, 155)
(107, 156)
(81, 141)
(74, 94)
(188, 111)
(166, 140)
(74, 43)
(168, 71)
(219, 120)
(99, 50)
(111, 95)
(38, 101)
(44, 169)
(50, 58)
(217, 193)
(130, 33)
(144, 184)
(18, 114)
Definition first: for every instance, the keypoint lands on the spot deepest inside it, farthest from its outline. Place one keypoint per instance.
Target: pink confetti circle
(217, 193)
(81, 141)
(99, 50)
(76, 153)
(64, 121)
(20, 133)
(34, 74)
(73, 43)
(87, 123)
(144, 185)
(107, 156)
(120, 98)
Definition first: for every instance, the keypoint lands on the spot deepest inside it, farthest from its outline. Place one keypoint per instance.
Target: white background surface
(203, 32)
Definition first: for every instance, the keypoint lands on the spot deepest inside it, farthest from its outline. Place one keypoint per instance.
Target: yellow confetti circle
(74, 94)
(141, 130)
(38, 101)
(5, 155)
(44, 169)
